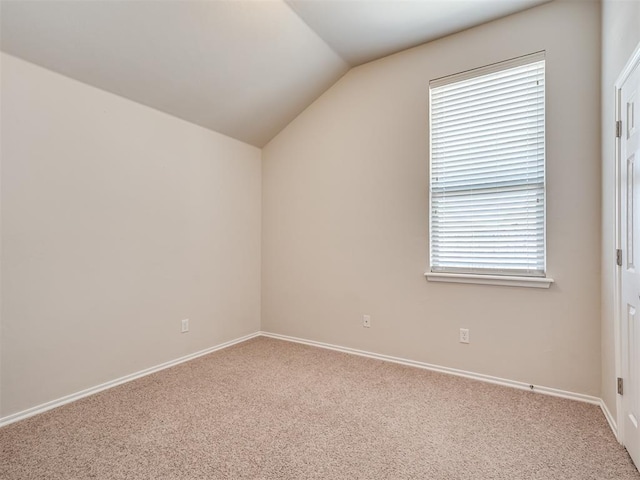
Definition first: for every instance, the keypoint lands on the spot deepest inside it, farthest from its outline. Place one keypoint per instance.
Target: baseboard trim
(15, 417)
(554, 392)
(30, 412)
(610, 420)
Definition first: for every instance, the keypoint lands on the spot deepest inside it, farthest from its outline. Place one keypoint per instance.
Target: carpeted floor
(268, 409)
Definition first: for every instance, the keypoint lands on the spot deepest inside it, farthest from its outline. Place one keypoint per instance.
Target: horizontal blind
(488, 170)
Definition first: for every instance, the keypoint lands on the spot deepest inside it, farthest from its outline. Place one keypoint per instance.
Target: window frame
(491, 277)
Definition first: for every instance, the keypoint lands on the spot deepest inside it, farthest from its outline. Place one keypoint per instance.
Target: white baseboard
(610, 420)
(452, 371)
(437, 368)
(118, 381)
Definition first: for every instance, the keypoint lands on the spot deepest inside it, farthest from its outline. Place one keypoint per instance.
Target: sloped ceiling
(244, 68)
(364, 30)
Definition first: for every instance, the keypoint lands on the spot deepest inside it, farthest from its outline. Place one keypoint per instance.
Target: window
(487, 173)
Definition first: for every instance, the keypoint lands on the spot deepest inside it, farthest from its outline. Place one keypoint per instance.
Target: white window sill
(531, 282)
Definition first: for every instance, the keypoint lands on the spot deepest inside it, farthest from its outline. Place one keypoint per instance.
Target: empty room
(337, 239)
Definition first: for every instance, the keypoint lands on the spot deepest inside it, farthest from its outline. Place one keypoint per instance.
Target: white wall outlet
(185, 325)
(366, 321)
(464, 335)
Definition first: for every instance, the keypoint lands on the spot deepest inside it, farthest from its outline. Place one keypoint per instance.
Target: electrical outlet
(185, 325)
(464, 335)
(366, 321)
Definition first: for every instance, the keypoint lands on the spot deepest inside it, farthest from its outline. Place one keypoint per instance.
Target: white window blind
(487, 171)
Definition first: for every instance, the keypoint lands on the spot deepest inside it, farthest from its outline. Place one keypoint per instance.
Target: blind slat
(490, 85)
(498, 97)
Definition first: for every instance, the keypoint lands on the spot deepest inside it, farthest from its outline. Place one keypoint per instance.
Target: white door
(629, 114)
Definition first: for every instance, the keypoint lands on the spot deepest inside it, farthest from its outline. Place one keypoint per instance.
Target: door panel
(632, 394)
(629, 215)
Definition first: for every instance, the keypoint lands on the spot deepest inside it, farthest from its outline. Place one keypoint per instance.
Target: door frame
(632, 63)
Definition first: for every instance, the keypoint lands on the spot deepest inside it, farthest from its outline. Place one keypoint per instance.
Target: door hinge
(620, 386)
(618, 128)
(619, 257)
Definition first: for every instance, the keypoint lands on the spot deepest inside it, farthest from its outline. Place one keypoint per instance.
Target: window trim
(491, 277)
(482, 279)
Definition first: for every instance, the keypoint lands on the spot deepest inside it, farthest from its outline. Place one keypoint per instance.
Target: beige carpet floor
(268, 409)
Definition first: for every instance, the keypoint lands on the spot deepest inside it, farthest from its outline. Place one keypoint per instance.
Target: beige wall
(345, 214)
(117, 222)
(620, 36)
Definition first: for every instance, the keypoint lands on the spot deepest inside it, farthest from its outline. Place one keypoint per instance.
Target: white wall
(117, 222)
(620, 36)
(345, 213)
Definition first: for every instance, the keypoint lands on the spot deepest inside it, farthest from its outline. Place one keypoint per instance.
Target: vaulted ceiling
(244, 68)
